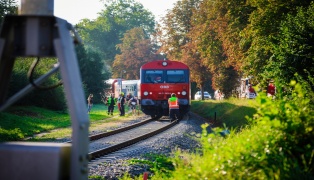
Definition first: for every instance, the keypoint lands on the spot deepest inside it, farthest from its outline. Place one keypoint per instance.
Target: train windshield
(165, 76)
(153, 76)
(175, 76)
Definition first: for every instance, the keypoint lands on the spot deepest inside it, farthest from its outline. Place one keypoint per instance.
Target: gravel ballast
(182, 136)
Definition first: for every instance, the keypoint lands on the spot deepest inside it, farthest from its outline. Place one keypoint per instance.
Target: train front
(159, 79)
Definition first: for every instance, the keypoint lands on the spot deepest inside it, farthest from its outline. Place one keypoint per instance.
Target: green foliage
(136, 50)
(293, 115)
(260, 38)
(19, 122)
(293, 51)
(278, 144)
(106, 31)
(7, 7)
(93, 71)
(10, 135)
(96, 178)
(226, 81)
(263, 31)
(48, 98)
(156, 162)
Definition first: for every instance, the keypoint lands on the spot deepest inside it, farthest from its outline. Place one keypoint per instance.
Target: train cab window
(176, 76)
(153, 76)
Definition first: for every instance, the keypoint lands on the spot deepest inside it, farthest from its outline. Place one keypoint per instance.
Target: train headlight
(145, 93)
(183, 93)
(164, 63)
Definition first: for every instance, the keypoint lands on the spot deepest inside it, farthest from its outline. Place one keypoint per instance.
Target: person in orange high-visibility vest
(173, 107)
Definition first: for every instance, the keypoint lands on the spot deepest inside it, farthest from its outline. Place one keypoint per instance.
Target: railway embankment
(32, 123)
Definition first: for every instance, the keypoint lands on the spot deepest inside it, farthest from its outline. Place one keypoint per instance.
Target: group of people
(121, 101)
(133, 102)
(270, 92)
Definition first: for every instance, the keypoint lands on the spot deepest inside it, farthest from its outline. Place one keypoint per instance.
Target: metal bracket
(48, 36)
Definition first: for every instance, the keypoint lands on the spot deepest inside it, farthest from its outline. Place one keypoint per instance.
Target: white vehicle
(198, 95)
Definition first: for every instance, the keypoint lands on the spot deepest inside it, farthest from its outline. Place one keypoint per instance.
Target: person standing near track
(133, 102)
(89, 103)
(122, 103)
(119, 103)
(173, 107)
(111, 103)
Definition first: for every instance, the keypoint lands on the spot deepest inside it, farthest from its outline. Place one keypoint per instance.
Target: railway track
(106, 143)
(106, 134)
(183, 137)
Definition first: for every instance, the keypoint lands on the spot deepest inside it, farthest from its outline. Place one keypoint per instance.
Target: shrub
(293, 115)
(47, 98)
(11, 135)
(277, 144)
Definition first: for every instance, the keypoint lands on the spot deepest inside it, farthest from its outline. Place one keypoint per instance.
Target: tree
(178, 42)
(227, 80)
(93, 71)
(136, 50)
(7, 7)
(205, 35)
(106, 31)
(294, 51)
(172, 33)
(262, 31)
(228, 19)
(199, 72)
(49, 96)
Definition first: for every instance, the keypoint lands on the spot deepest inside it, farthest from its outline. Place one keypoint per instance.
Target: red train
(160, 78)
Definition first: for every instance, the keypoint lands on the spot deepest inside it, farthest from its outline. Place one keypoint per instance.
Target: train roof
(164, 64)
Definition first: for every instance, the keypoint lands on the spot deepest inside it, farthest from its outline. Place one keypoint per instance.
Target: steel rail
(116, 131)
(99, 153)
(106, 134)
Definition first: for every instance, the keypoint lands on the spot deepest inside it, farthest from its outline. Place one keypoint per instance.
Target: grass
(231, 112)
(156, 162)
(18, 123)
(38, 124)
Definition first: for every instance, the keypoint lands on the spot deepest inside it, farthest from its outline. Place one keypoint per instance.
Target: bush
(277, 144)
(11, 135)
(293, 115)
(48, 98)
